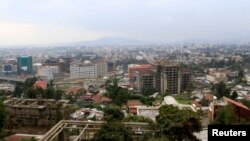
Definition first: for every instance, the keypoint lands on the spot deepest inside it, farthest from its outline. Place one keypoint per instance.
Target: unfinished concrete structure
(73, 130)
(35, 112)
(167, 76)
(144, 80)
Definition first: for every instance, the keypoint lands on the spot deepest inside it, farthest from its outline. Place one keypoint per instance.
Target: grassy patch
(183, 99)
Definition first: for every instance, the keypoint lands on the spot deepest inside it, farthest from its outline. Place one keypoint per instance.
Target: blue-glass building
(24, 65)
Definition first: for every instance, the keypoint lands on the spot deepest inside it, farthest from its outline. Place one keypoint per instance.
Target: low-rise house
(132, 106)
(148, 112)
(40, 84)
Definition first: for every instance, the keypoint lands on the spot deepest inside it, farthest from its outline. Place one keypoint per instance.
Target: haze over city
(65, 21)
(124, 70)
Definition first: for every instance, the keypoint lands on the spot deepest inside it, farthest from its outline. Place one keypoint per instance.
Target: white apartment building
(48, 72)
(91, 70)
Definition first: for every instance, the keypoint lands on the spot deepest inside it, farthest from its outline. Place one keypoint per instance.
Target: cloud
(46, 21)
(20, 33)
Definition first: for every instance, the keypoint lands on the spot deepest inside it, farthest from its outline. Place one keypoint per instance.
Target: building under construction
(167, 76)
(35, 112)
(74, 130)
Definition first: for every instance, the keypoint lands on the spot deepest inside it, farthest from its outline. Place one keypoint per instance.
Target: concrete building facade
(138, 68)
(34, 112)
(24, 65)
(49, 72)
(91, 70)
(167, 77)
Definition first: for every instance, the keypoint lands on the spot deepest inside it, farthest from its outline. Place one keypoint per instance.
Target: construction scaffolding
(73, 130)
(35, 112)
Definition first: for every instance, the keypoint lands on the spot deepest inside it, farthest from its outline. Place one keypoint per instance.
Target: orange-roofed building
(73, 90)
(140, 68)
(101, 99)
(40, 84)
(132, 106)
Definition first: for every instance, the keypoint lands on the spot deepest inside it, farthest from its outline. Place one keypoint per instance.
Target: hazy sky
(54, 21)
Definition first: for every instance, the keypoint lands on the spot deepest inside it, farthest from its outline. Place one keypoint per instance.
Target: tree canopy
(221, 90)
(234, 95)
(3, 115)
(178, 124)
(113, 112)
(118, 94)
(225, 115)
(114, 131)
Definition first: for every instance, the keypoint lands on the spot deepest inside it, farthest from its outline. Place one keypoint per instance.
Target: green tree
(31, 93)
(135, 118)
(225, 115)
(146, 91)
(29, 82)
(147, 100)
(3, 114)
(58, 94)
(113, 112)
(50, 93)
(234, 95)
(51, 83)
(177, 124)
(241, 75)
(59, 115)
(204, 102)
(114, 131)
(118, 94)
(18, 90)
(221, 90)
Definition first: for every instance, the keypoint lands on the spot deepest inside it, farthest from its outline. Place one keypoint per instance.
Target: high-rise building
(89, 70)
(167, 76)
(144, 80)
(61, 66)
(48, 72)
(186, 79)
(24, 65)
(140, 68)
(67, 61)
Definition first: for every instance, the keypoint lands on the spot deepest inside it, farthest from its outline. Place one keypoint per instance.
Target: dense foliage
(221, 90)
(113, 113)
(3, 114)
(114, 131)
(28, 90)
(225, 115)
(178, 124)
(118, 94)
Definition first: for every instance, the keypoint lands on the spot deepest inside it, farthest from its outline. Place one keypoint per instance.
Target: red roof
(238, 104)
(97, 98)
(133, 110)
(40, 84)
(73, 90)
(87, 97)
(101, 99)
(105, 99)
(133, 103)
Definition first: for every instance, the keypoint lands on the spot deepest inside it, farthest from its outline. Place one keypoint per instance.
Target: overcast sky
(57, 21)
